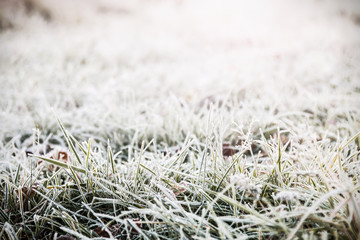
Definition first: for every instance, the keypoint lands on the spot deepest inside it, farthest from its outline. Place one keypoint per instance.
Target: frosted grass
(181, 120)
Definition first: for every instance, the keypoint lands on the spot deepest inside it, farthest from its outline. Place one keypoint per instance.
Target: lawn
(180, 119)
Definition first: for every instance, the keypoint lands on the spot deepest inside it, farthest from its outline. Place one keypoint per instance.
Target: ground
(180, 119)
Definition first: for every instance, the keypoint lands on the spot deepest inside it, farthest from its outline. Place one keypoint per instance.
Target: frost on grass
(180, 120)
(287, 196)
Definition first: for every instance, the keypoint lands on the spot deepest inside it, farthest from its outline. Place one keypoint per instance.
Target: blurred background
(88, 60)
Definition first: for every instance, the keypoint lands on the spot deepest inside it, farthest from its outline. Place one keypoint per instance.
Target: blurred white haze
(88, 60)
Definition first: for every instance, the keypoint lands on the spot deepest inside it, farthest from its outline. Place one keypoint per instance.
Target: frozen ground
(207, 79)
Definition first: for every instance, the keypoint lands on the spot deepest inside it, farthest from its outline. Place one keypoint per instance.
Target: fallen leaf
(228, 150)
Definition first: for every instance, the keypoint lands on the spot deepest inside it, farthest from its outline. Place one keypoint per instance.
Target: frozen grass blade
(87, 155)
(111, 158)
(69, 141)
(61, 164)
(236, 160)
